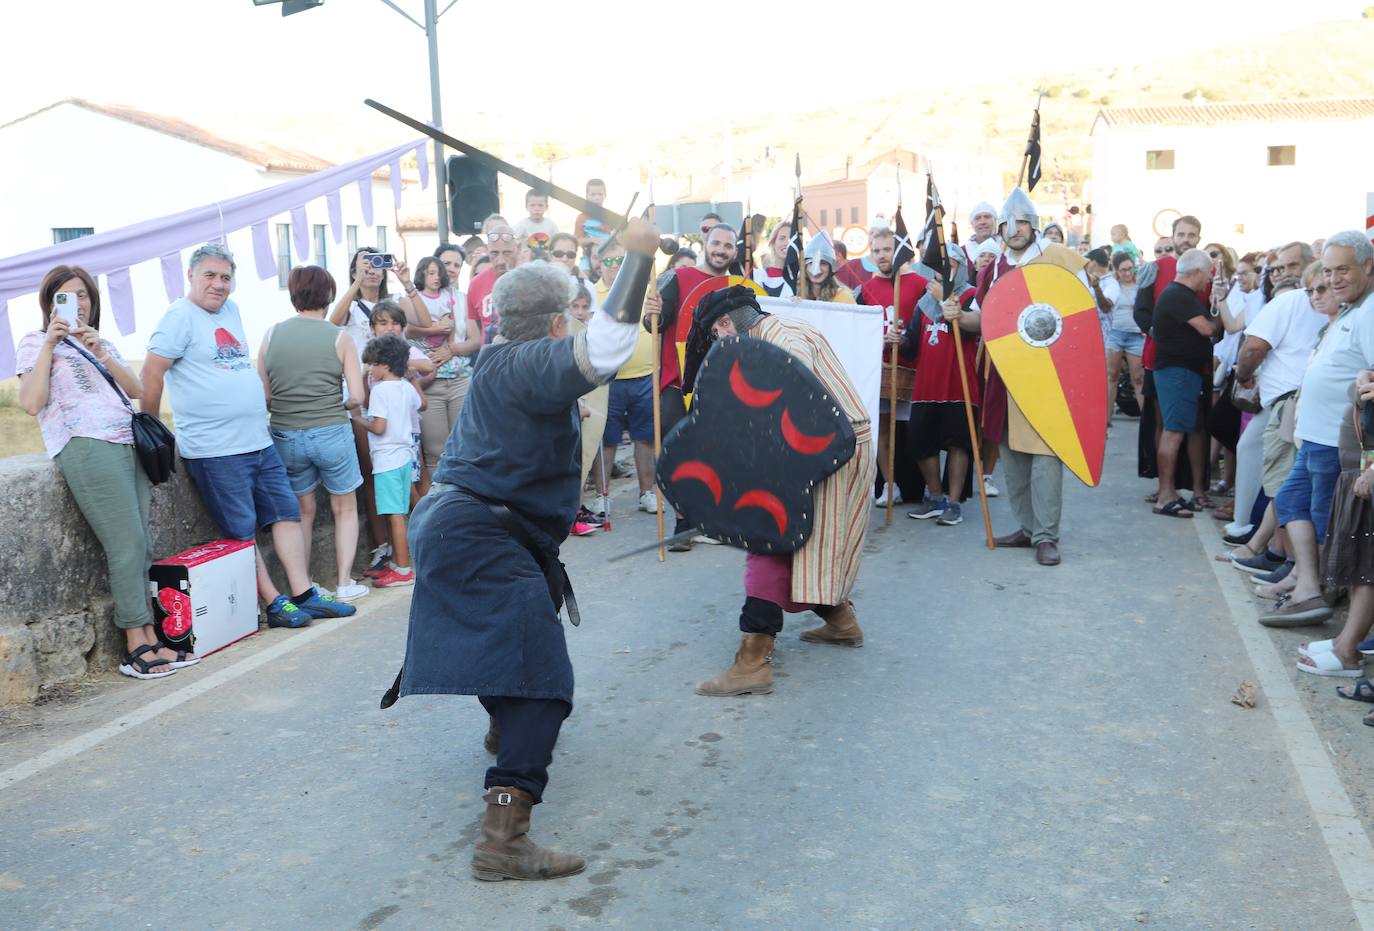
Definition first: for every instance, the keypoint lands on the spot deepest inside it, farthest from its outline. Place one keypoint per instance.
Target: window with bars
(351, 238)
(283, 253)
(381, 239)
(854, 215)
(825, 218)
(68, 233)
(320, 253)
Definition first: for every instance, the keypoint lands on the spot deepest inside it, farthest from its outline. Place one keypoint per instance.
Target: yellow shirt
(642, 361)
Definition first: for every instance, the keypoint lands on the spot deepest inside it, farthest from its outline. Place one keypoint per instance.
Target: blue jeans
(320, 454)
(244, 493)
(1306, 493)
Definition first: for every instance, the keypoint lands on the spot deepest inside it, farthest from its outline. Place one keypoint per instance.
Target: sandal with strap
(1362, 690)
(182, 662)
(1202, 503)
(137, 666)
(1152, 497)
(1175, 508)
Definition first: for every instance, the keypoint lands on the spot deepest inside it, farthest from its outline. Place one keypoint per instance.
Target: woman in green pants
(86, 428)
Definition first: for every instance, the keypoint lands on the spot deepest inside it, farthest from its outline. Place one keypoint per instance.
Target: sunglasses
(1164, 250)
(560, 254)
(613, 261)
(1214, 255)
(500, 237)
(1318, 290)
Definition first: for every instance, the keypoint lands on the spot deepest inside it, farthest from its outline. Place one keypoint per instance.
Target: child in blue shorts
(391, 404)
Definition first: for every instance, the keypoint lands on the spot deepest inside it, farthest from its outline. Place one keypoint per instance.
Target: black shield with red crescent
(763, 432)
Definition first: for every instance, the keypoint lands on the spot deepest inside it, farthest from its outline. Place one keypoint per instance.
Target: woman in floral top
(86, 428)
(438, 325)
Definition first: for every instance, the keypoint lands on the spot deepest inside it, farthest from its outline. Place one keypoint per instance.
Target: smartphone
(64, 307)
(381, 260)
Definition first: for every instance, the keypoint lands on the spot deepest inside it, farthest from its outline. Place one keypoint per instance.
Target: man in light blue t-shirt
(220, 413)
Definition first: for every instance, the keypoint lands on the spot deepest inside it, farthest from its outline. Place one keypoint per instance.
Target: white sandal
(1329, 664)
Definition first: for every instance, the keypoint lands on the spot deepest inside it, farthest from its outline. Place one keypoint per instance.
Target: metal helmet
(1019, 207)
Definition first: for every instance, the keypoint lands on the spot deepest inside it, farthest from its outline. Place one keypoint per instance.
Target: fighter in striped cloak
(821, 574)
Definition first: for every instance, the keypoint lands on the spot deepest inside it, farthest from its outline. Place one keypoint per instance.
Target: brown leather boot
(841, 627)
(750, 672)
(492, 742)
(505, 851)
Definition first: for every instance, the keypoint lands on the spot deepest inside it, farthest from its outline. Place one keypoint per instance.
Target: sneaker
(990, 487)
(1269, 578)
(320, 606)
(620, 470)
(709, 541)
(1256, 565)
(585, 516)
(881, 500)
(648, 502)
(378, 563)
(950, 515)
(1239, 539)
(930, 507)
(681, 546)
(282, 612)
(394, 578)
(598, 505)
(581, 529)
(350, 592)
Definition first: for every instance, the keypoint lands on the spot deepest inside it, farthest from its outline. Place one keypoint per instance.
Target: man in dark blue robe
(484, 619)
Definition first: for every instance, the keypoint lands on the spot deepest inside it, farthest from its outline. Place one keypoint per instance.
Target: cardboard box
(212, 589)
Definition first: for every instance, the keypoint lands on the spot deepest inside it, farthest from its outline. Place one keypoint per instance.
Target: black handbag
(155, 445)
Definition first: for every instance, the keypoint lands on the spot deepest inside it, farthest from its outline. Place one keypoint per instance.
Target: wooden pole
(891, 464)
(658, 421)
(973, 442)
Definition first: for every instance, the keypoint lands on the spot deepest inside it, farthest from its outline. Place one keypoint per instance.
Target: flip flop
(1202, 503)
(1152, 498)
(1175, 508)
(1329, 664)
(1362, 690)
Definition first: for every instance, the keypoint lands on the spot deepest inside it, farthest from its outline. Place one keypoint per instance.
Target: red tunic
(878, 292)
(937, 367)
(852, 274)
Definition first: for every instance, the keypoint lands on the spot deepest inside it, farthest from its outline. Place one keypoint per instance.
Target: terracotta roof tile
(1211, 114)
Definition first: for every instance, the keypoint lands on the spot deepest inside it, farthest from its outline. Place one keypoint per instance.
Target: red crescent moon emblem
(747, 393)
(801, 442)
(758, 498)
(695, 468)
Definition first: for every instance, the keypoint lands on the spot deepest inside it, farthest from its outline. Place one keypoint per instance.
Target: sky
(555, 65)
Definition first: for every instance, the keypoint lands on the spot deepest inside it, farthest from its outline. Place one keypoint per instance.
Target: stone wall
(56, 615)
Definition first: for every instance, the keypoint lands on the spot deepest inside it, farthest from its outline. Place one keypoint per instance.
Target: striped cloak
(825, 569)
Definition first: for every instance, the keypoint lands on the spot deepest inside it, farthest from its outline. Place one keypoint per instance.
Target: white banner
(855, 333)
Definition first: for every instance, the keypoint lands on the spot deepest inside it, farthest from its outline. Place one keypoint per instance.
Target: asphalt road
(1014, 747)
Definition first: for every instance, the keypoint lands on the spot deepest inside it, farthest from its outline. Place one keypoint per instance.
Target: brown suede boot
(504, 851)
(750, 671)
(492, 742)
(841, 627)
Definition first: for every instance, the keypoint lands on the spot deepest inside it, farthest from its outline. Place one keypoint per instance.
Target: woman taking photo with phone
(86, 429)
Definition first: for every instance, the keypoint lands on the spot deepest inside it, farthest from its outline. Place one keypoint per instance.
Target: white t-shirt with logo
(1345, 348)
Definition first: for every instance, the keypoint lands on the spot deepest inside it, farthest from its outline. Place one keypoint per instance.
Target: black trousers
(760, 616)
(529, 730)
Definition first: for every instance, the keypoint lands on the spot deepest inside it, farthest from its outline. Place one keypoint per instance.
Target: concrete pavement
(1014, 747)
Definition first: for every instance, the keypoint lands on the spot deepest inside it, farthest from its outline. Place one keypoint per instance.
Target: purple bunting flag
(365, 198)
(264, 258)
(331, 203)
(300, 232)
(396, 182)
(422, 162)
(121, 299)
(6, 339)
(173, 279)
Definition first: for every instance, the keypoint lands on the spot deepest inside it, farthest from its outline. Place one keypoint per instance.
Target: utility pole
(431, 29)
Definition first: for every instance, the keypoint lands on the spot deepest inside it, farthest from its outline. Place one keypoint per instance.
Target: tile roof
(268, 157)
(1211, 114)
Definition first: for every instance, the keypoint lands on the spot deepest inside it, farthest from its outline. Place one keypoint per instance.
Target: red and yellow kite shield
(1041, 328)
(694, 297)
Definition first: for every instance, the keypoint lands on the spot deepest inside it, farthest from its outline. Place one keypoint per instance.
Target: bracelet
(410, 292)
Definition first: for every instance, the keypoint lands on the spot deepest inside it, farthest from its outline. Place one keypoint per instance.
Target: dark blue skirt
(481, 619)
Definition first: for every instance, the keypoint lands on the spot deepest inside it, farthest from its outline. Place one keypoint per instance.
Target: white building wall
(70, 167)
(1222, 176)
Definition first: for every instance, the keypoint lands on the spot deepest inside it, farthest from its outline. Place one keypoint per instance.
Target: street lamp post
(431, 29)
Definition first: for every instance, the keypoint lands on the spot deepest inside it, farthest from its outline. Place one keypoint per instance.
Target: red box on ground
(212, 588)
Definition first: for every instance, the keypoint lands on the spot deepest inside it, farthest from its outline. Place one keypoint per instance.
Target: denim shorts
(320, 454)
(1307, 492)
(630, 406)
(1133, 344)
(244, 493)
(1179, 390)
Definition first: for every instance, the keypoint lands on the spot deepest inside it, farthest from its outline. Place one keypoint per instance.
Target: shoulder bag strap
(102, 370)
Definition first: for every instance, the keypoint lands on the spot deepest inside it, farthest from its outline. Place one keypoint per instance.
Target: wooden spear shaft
(658, 421)
(891, 463)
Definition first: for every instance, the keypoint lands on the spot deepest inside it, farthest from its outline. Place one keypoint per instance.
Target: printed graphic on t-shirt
(538, 240)
(230, 354)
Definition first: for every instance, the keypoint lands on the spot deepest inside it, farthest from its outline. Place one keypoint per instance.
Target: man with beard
(820, 576)
(1190, 471)
(484, 619)
(1035, 475)
(674, 287)
(880, 291)
(501, 249)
